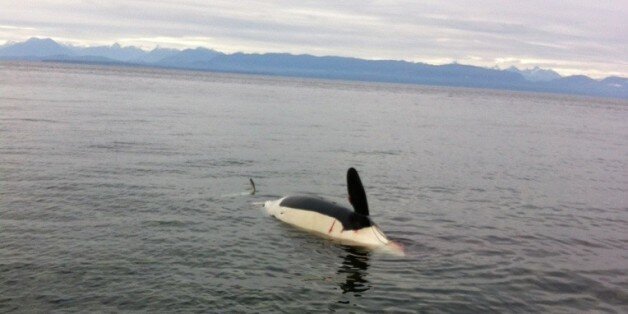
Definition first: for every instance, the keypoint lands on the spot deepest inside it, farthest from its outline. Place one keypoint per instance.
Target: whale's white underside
(326, 226)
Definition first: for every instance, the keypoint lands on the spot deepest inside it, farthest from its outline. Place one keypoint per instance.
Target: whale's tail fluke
(357, 195)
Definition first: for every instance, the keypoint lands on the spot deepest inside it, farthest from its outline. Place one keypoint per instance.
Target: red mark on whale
(332, 227)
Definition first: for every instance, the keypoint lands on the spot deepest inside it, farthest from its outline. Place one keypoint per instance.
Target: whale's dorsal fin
(357, 195)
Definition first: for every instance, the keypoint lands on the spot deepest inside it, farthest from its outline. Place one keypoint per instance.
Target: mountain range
(329, 67)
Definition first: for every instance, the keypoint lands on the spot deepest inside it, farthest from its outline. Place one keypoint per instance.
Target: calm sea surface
(125, 189)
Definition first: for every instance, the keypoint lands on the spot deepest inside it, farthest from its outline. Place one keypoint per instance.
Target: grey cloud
(590, 35)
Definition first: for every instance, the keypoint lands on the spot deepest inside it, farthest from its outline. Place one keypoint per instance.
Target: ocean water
(126, 189)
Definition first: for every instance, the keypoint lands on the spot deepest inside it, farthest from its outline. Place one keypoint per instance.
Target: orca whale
(328, 219)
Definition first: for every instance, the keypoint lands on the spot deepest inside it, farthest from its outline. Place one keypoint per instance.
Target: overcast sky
(571, 36)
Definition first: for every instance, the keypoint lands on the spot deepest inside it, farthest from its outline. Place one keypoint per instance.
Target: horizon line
(436, 62)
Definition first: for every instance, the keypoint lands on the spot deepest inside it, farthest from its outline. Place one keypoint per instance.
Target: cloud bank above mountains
(575, 37)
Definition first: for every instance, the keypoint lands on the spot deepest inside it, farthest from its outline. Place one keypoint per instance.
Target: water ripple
(128, 190)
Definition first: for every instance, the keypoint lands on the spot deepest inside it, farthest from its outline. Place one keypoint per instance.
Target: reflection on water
(355, 266)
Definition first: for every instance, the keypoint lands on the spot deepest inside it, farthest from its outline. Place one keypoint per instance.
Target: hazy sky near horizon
(572, 37)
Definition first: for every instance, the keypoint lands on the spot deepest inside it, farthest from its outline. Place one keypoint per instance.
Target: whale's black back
(348, 218)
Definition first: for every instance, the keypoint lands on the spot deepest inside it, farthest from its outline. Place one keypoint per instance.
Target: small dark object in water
(252, 185)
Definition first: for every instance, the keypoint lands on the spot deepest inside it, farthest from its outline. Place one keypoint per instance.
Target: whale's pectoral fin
(253, 190)
(357, 195)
